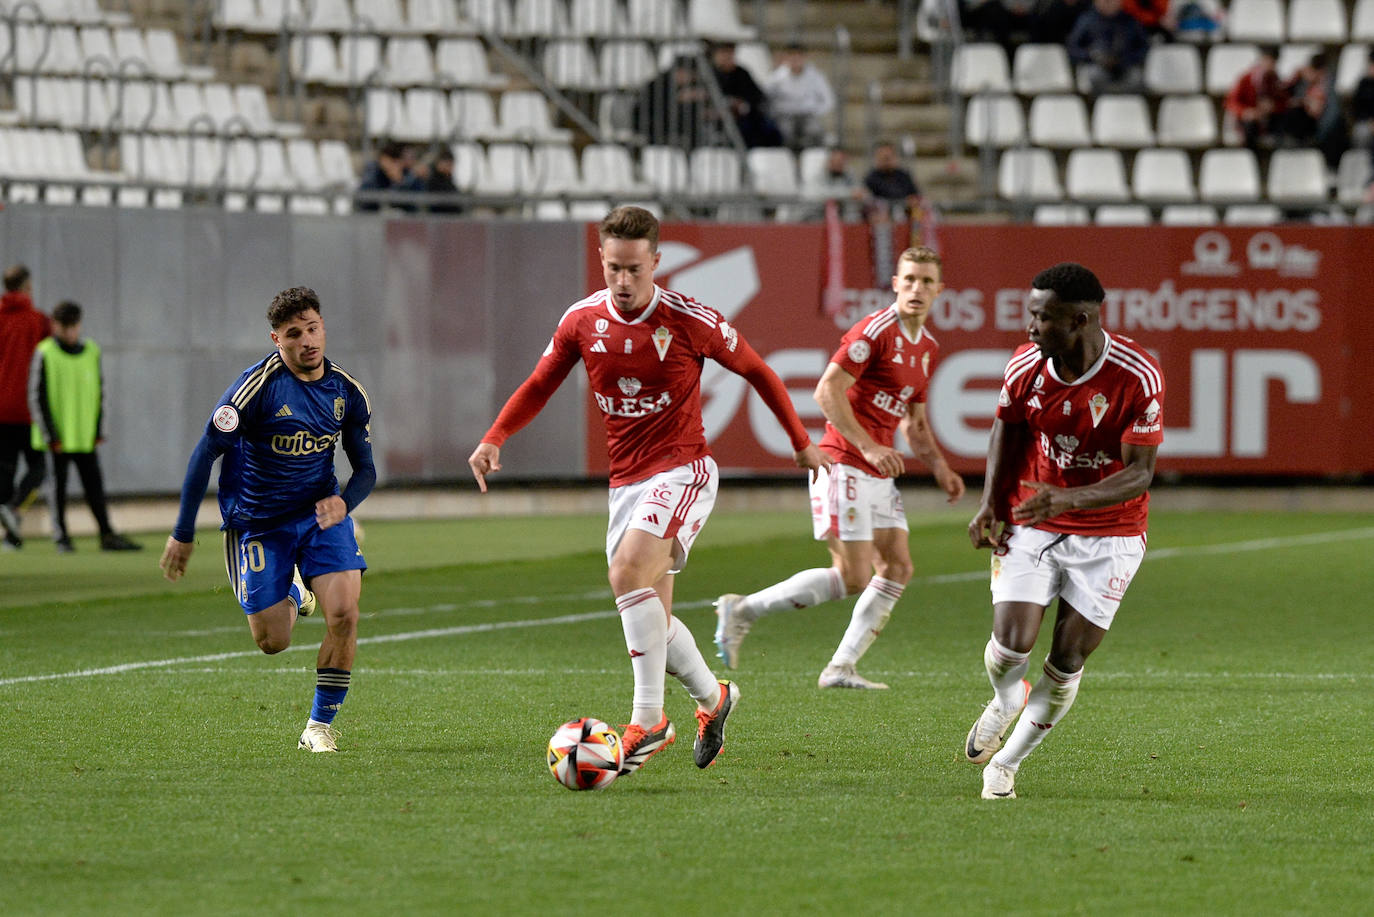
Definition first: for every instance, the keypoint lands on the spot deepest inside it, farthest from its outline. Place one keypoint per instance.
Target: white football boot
(998, 782)
(991, 726)
(319, 737)
(308, 603)
(731, 629)
(844, 676)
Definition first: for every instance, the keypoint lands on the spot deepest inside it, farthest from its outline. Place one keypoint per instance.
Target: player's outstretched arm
(485, 459)
(175, 557)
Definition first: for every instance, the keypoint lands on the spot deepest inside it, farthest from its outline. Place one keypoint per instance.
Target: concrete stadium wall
(439, 320)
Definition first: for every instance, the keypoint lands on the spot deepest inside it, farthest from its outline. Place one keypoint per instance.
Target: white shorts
(1090, 572)
(850, 504)
(672, 504)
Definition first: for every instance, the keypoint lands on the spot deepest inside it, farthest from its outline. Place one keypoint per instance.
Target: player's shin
(645, 624)
(1050, 699)
(801, 590)
(870, 615)
(1006, 668)
(687, 665)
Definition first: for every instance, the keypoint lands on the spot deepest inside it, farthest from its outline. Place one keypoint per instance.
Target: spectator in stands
(389, 172)
(671, 107)
(1153, 16)
(1257, 101)
(1055, 20)
(440, 181)
(1361, 120)
(66, 399)
(800, 97)
(1197, 21)
(1006, 22)
(21, 328)
(1314, 117)
(890, 188)
(1109, 46)
(744, 98)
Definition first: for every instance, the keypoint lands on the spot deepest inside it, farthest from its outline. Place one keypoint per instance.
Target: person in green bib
(66, 402)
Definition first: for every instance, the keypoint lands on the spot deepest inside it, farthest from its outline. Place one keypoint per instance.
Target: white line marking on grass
(1235, 547)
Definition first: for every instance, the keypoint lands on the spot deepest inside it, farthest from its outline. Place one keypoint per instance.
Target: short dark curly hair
(290, 303)
(1072, 283)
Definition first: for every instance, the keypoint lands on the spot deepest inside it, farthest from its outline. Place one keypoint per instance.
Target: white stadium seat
(1162, 176)
(991, 120)
(1038, 68)
(1028, 174)
(980, 67)
(1059, 121)
(1122, 121)
(1096, 175)
(1187, 121)
(1260, 21)
(1228, 176)
(1173, 68)
(1297, 178)
(1322, 21)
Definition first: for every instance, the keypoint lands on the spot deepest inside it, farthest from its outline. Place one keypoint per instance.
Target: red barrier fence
(1266, 340)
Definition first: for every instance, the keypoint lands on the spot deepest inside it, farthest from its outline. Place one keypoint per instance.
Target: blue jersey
(278, 435)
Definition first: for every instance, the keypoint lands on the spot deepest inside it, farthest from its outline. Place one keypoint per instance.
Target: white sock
(687, 665)
(1006, 668)
(645, 624)
(801, 590)
(871, 612)
(1050, 699)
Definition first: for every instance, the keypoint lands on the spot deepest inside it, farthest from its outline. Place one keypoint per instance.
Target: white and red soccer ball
(585, 754)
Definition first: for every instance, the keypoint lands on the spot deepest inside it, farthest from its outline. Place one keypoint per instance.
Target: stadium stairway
(911, 107)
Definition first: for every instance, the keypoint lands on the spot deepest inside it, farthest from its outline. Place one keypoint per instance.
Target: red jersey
(891, 371)
(22, 327)
(1077, 428)
(645, 376)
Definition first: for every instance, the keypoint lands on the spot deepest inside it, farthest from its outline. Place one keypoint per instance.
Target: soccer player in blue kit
(277, 427)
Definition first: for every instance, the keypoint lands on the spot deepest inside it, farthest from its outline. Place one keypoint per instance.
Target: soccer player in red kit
(875, 382)
(643, 349)
(1071, 456)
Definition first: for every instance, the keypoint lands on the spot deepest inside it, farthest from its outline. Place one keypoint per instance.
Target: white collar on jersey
(901, 325)
(644, 313)
(1092, 370)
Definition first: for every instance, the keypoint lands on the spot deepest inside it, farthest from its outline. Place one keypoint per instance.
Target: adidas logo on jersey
(284, 412)
(599, 347)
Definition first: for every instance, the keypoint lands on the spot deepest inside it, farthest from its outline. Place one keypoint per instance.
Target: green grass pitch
(1217, 760)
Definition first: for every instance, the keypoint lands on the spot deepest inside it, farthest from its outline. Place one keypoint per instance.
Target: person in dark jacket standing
(66, 401)
(21, 328)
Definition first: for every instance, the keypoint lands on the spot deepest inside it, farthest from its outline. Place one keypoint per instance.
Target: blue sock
(294, 594)
(330, 687)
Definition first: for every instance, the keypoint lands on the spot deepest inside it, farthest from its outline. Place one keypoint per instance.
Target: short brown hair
(66, 313)
(290, 303)
(15, 278)
(923, 255)
(630, 223)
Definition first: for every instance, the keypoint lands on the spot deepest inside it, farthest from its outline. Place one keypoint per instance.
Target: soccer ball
(585, 754)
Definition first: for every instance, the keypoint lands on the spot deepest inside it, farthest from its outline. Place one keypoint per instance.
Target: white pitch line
(1235, 547)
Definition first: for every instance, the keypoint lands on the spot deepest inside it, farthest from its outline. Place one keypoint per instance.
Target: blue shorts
(260, 563)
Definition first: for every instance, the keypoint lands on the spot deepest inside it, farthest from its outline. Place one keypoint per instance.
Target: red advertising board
(1263, 342)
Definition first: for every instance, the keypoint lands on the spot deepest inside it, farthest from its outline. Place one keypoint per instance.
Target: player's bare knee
(897, 571)
(271, 644)
(625, 578)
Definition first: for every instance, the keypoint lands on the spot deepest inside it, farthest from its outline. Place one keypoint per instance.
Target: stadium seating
(1122, 215)
(991, 120)
(1162, 176)
(1321, 21)
(1228, 176)
(1061, 215)
(1187, 121)
(1122, 121)
(1059, 121)
(1173, 68)
(1028, 175)
(1038, 68)
(1259, 21)
(1096, 175)
(980, 67)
